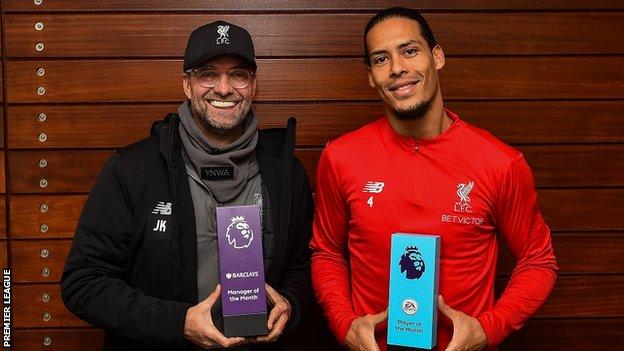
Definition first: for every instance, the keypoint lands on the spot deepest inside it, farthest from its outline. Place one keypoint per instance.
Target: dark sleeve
(93, 285)
(295, 284)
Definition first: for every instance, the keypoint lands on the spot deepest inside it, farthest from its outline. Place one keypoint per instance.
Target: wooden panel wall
(82, 78)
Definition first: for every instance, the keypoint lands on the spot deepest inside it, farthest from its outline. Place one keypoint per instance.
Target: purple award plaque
(241, 267)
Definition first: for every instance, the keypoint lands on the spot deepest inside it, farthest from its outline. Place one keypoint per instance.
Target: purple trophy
(241, 266)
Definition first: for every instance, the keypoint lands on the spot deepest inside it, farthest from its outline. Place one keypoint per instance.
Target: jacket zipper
(289, 152)
(418, 187)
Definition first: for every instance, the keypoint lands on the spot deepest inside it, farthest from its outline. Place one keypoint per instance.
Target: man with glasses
(421, 169)
(144, 262)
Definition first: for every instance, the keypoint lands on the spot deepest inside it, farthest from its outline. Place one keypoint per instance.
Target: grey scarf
(223, 170)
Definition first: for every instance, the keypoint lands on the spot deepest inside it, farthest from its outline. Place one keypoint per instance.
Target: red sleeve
(330, 268)
(520, 222)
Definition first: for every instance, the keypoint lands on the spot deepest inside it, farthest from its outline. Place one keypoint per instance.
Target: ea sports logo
(409, 306)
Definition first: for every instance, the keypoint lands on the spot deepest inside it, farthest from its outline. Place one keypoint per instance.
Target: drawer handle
(45, 297)
(44, 253)
(47, 341)
(46, 317)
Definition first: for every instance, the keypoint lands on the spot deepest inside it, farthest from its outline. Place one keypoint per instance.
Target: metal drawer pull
(45, 297)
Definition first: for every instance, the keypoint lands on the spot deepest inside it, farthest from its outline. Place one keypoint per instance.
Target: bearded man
(421, 169)
(144, 261)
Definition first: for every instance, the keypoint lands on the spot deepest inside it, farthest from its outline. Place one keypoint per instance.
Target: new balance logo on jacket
(162, 208)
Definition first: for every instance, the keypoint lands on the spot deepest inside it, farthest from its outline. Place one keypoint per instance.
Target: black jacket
(137, 286)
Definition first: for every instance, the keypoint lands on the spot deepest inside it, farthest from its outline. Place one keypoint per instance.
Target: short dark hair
(393, 12)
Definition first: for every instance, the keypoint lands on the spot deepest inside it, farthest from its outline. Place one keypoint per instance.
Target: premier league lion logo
(238, 233)
(412, 263)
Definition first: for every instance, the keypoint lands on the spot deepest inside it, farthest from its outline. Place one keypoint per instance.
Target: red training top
(464, 185)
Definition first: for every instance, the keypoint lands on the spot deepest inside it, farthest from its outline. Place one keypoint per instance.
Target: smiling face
(223, 108)
(403, 69)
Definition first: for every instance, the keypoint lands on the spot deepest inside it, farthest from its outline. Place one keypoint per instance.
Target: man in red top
(421, 169)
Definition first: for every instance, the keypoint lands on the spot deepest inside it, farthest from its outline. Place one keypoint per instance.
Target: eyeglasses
(208, 78)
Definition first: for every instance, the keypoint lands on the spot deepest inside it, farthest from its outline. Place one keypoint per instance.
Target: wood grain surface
(318, 79)
(310, 34)
(114, 126)
(306, 5)
(545, 76)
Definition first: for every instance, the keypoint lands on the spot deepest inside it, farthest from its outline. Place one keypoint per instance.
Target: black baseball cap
(218, 38)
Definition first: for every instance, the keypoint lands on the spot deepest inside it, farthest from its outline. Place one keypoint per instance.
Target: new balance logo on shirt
(373, 187)
(162, 208)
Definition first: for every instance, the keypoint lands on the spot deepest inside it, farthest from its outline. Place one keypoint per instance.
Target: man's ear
(371, 82)
(186, 85)
(438, 57)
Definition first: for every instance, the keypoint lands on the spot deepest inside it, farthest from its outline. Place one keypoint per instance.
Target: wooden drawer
(581, 296)
(294, 5)
(58, 339)
(55, 171)
(462, 77)
(302, 34)
(2, 180)
(602, 252)
(1, 129)
(45, 216)
(39, 261)
(41, 306)
(599, 210)
(3, 255)
(81, 126)
(3, 216)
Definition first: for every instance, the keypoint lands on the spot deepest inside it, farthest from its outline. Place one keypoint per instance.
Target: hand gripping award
(412, 307)
(241, 267)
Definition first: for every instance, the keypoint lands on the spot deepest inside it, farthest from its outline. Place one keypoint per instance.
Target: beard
(202, 115)
(413, 112)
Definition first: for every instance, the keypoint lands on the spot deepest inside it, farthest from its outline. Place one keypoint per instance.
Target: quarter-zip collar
(415, 145)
